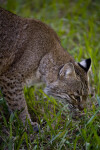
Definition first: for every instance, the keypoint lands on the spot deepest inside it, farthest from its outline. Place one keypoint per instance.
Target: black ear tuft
(85, 64)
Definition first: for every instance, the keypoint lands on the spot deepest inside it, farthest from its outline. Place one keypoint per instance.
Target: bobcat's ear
(85, 64)
(67, 71)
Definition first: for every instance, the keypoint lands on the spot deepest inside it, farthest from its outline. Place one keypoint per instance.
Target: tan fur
(31, 52)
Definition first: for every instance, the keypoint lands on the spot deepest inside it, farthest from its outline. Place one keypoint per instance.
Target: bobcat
(31, 52)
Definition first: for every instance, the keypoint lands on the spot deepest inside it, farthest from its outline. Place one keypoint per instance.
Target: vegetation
(77, 22)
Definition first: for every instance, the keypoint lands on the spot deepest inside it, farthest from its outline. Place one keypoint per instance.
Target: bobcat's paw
(35, 126)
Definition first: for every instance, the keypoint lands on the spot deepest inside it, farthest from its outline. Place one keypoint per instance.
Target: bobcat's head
(72, 84)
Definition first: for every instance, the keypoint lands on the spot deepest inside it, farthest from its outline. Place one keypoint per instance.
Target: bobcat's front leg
(13, 93)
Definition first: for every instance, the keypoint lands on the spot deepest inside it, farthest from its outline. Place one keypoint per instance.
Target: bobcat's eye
(78, 98)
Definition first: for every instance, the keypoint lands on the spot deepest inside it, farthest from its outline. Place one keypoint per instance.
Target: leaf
(98, 99)
(4, 119)
(90, 120)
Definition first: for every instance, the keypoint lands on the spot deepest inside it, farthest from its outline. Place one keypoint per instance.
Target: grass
(78, 25)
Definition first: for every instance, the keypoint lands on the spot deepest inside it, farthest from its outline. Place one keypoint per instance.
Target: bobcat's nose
(81, 106)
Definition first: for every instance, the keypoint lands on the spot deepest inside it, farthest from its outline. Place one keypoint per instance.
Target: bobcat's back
(18, 35)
